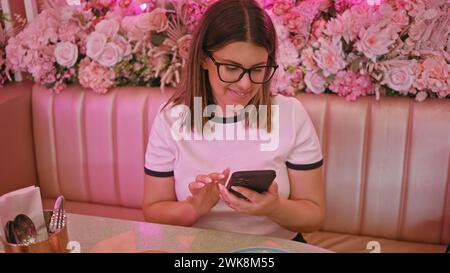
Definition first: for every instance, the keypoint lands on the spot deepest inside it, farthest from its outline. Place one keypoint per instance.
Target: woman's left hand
(257, 203)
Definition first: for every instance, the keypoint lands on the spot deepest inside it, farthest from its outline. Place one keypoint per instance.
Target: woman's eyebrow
(233, 62)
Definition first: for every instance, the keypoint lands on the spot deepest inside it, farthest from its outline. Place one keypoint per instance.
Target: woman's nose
(244, 83)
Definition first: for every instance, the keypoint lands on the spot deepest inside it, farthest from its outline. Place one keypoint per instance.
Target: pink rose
(436, 74)
(112, 54)
(330, 57)
(315, 82)
(281, 7)
(399, 78)
(109, 27)
(66, 54)
(155, 20)
(95, 45)
(184, 43)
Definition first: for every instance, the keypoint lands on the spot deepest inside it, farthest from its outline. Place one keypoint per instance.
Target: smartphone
(257, 180)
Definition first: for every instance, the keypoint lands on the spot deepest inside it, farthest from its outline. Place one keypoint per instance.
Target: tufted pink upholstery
(386, 166)
(386, 162)
(90, 148)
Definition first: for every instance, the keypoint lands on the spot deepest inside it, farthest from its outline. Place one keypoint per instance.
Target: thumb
(226, 173)
(273, 188)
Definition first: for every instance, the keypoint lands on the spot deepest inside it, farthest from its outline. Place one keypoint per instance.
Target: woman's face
(244, 54)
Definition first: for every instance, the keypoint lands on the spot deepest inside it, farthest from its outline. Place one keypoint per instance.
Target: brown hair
(225, 22)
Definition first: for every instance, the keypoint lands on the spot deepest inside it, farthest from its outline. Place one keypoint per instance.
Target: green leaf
(158, 39)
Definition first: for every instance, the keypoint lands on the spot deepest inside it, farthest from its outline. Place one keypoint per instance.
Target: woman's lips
(239, 94)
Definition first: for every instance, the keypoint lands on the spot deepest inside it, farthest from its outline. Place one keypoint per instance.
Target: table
(99, 234)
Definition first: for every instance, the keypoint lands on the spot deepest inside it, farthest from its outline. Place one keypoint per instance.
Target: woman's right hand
(205, 192)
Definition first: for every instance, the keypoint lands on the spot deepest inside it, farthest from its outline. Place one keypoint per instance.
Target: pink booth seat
(386, 171)
(90, 148)
(17, 164)
(386, 162)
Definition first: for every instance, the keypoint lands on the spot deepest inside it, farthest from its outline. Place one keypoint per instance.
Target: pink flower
(318, 28)
(123, 44)
(69, 32)
(308, 9)
(95, 45)
(342, 26)
(282, 7)
(352, 85)
(399, 17)
(95, 76)
(184, 43)
(330, 57)
(109, 27)
(421, 96)
(155, 20)
(375, 41)
(315, 82)
(66, 54)
(436, 74)
(129, 25)
(307, 59)
(111, 55)
(400, 78)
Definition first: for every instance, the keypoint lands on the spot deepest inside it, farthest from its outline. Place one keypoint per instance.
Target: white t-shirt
(298, 148)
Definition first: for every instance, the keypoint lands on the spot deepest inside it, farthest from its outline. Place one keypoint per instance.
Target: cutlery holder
(56, 242)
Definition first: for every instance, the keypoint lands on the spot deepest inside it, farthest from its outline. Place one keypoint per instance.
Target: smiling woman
(231, 63)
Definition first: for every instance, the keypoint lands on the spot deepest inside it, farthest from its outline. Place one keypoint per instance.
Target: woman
(231, 62)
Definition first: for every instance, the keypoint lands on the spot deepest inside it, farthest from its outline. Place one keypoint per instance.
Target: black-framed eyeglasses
(231, 73)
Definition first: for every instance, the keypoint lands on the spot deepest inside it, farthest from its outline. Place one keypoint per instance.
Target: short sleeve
(160, 155)
(305, 153)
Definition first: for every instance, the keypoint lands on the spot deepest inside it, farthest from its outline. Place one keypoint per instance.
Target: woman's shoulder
(287, 103)
(168, 113)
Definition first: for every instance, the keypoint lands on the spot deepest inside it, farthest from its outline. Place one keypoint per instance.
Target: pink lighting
(143, 6)
(374, 2)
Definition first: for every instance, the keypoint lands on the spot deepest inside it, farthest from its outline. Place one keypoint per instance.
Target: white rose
(315, 82)
(112, 54)
(400, 78)
(95, 45)
(66, 54)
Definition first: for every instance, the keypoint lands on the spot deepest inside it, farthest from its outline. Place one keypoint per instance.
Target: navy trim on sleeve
(158, 174)
(304, 167)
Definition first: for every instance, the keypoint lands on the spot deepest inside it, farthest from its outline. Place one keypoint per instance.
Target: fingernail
(209, 180)
(235, 188)
(221, 176)
(199, 185)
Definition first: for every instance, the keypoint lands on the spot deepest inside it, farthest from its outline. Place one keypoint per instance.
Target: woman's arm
(304, 211)
(161, 205)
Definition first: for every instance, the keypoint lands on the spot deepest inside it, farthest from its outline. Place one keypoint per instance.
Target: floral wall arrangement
(16, 24)
(351, 48)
